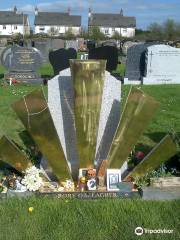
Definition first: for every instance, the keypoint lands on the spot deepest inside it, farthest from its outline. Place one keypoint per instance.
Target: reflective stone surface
(109, 117)
(34, 114)
(12, 155)
(162, 152)
(88, 80)
(60, 102)
(138, 111)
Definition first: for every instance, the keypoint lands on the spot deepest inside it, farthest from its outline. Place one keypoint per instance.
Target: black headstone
(108, 53)
(59, 59)
(22, 63)
(135, 63)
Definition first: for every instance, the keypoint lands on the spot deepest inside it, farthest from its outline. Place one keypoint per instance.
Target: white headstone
(162, 65)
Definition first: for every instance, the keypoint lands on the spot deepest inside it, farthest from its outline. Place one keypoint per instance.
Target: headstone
(43, 47)
(57, 44)
(71, 44)
(162, 65)
(135, 63)
(3, 43)
(80, 43)
(107, 52)
(109, 117)
(90, 44)
(109, 43)
(59, 59)
(22, 63)
(60, 102)
(127, 45)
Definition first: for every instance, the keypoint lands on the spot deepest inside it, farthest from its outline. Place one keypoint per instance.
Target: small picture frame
(113, 178)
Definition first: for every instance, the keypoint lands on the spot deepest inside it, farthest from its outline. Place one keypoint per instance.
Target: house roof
(57, 18)
(10, 17)
(111, 20)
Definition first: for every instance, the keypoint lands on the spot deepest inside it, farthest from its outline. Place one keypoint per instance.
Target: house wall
(11, 29)
(56, 30)
(125, 32)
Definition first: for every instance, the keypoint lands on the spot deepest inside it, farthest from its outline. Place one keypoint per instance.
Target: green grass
(167, 117)
(57, 219)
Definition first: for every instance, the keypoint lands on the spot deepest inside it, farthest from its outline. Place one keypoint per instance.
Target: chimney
(69, 10)
(36, 11)
(15, 9)
(121, 12)
(90, 13)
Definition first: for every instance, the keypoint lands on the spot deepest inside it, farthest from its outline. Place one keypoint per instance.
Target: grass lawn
(99, 219)
(55, 219)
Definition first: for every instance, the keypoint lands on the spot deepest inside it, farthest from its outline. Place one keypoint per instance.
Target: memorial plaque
(59, 59)
(12, 155)
(162, 152)
(33, 111)
(22, 63)
(138, 111)
(109, 53)
(162, 65)
(88, 80)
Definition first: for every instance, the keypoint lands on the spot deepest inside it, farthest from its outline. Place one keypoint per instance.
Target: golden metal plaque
(12, 155)
(162, 152)
(138, 111)
(88, 80)
(33, 111)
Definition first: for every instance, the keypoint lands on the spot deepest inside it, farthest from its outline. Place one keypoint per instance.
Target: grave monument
(73, 133)
(22, 63)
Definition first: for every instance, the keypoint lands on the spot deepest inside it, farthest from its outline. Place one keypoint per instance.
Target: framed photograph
(113, 178)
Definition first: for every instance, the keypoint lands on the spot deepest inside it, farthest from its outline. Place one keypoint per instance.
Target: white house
(57, 23)
(109, 23)
(12, 22)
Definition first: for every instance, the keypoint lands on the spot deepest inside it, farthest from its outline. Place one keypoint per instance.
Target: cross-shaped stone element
(151, 58)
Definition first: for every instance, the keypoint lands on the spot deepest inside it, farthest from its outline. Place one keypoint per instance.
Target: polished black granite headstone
(59, 59)
(109, 53)
(135, 63)
(22, 63)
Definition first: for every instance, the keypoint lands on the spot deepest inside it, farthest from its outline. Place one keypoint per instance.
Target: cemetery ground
(86, 219)
(57, 219)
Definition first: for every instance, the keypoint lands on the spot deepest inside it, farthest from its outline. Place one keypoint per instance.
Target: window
(106, 31)
(113, 30)
(125, 30)
(15, 27)
(41, 28)
(4, 27)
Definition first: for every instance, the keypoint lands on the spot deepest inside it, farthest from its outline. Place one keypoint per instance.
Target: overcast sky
(145, 11)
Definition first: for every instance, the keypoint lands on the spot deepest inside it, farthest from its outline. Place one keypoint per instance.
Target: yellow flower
(31, 209)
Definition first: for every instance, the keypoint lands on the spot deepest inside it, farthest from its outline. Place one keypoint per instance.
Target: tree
(84, 33)
(69, 34)
(96, 34)
(53, 31)
(169, 28)
(156, 31)
(116, 35)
